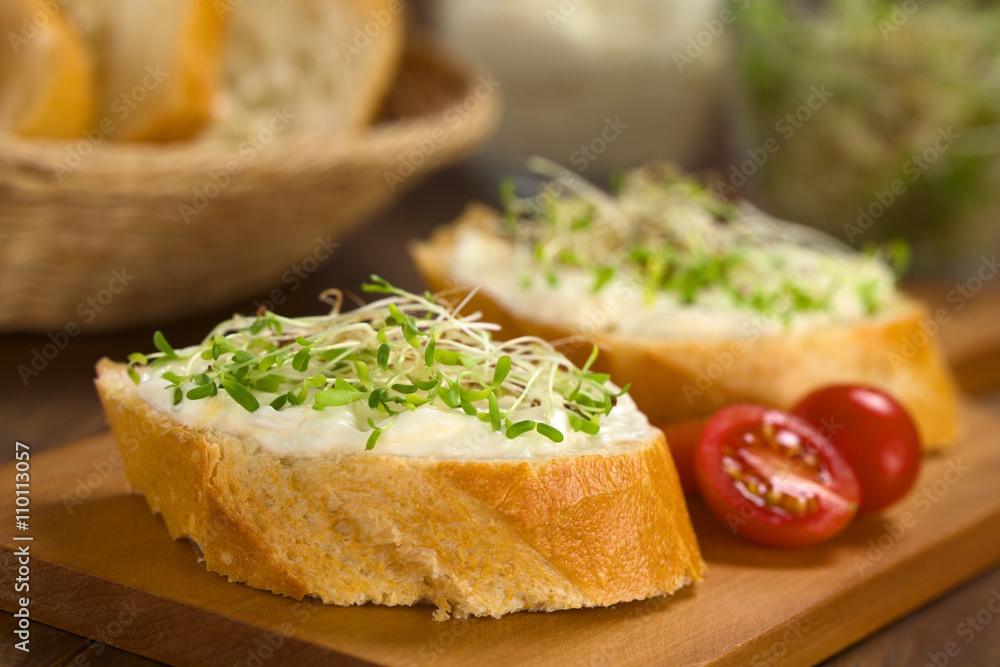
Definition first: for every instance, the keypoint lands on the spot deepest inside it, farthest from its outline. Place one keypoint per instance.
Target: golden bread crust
(157, 65)
(187, 105)
(675, 380)
(475, 537)
(47, 75)
(387, 51)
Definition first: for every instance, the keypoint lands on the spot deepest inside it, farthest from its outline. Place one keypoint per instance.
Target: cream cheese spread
(427, 431)
(510, 275)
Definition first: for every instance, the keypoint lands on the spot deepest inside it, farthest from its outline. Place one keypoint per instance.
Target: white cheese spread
(427, 431)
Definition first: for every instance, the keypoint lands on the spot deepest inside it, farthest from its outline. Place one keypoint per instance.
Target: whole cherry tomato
(876, 435)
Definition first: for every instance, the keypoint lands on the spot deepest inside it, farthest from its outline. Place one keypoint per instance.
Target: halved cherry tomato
(773, 477)
(874, 433)
(682, 439)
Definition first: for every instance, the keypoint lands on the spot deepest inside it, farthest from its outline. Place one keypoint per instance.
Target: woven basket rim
(40, 156)
(128, 205)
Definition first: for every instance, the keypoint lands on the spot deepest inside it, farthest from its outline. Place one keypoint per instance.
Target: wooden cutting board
(104, 567)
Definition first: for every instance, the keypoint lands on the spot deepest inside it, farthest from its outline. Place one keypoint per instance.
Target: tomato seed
(789, 441)
(767, 428)
(792, 504)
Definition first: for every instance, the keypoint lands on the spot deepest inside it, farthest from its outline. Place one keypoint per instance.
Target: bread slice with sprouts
(698, 302)
(398, 454)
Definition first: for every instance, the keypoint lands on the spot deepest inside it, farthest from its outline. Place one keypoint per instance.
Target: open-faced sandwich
(398, 454)
(699, 302)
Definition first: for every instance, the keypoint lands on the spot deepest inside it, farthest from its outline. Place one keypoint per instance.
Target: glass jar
(596, 85)
(904, 139)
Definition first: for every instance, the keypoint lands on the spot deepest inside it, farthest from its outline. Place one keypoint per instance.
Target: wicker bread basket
(162, 231)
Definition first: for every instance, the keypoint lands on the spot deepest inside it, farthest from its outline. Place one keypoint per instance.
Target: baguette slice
(327, 63)
(679, 379)
(46, 72)
(158, 65)
(475, 537)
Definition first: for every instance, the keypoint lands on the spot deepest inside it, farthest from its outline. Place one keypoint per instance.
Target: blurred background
(867, 119)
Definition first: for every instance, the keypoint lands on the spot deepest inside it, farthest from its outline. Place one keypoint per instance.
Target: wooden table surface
(59, 406)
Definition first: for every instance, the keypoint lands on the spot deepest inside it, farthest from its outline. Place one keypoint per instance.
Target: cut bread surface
(474, 537)
(326, 64)
(158, 65)
(680, 378)
(169, 70)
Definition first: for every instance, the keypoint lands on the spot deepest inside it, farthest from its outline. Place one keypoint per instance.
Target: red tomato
(682, 439)
(876, 435)
(773, 477)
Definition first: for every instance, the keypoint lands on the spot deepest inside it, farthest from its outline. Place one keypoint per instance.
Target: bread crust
(157, 65)
(475, 537)
(680, 379)
(380, 70)
(188, 104)
(48, 78)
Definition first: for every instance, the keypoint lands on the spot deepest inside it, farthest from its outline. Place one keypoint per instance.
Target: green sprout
(665, 233)
(397, 354)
